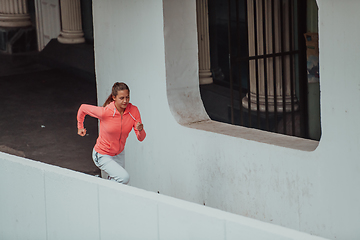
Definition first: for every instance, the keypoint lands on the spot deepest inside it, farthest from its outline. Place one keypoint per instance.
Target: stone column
(71, 26)
(14, 13)
(203, 41)
(282, 66)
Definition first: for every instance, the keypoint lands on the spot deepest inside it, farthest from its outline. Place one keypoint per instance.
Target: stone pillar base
(15, 20)
(203, 42)
(71, 26)
(72, 37)
(205, 77)
(271, 105)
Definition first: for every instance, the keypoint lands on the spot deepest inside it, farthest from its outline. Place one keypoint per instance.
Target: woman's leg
(113, 166)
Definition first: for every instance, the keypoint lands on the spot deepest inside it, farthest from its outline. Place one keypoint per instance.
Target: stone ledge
(256, 135)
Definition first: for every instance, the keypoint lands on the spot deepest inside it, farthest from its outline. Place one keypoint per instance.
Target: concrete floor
(38, 107)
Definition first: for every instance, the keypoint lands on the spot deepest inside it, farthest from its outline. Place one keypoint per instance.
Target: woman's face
(122, 99)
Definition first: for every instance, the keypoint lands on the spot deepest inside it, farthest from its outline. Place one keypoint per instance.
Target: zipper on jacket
(121, 126)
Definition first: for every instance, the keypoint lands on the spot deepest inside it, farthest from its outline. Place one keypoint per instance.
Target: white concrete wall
(151, 45)
(39, 201)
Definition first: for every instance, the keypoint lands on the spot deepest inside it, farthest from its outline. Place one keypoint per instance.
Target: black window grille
(258, 52)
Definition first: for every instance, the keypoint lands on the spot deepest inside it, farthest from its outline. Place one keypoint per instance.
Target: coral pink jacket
(114, 128)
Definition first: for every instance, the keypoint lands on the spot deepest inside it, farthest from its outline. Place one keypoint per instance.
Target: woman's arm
(138, 126)
(84, 110)
(139, 131)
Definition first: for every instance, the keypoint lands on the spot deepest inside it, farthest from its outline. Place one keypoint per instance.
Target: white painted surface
(39, 201)
(77, 200)
(152, 46)
(47, 21)
(22, 198)
(131, 218)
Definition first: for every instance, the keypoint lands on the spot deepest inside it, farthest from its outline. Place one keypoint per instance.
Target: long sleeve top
(114, 127)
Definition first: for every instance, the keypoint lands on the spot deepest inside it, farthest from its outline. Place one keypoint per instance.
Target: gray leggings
(113, 166)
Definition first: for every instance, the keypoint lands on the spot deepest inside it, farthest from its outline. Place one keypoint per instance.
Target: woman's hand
(82, 132)
(139, 126)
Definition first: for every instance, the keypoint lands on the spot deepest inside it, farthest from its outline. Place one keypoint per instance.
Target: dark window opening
(258, 59)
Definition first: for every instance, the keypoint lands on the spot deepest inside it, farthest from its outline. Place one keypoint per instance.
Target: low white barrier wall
(40, 201)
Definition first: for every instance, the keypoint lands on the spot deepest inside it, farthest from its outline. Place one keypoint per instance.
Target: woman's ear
(113, 97)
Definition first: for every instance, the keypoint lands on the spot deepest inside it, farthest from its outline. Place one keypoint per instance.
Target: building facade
(297, 183)
(310, 186)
